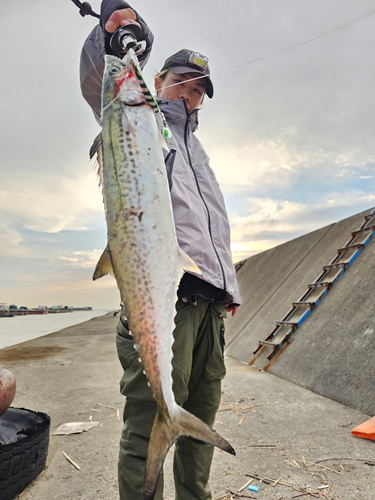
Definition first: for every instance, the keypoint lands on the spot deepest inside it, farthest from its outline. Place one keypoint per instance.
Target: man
(203, 233)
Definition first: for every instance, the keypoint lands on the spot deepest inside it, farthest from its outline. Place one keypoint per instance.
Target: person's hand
(121, 18)
(231, 308)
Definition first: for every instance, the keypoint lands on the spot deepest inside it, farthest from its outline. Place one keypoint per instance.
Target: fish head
(120, 82)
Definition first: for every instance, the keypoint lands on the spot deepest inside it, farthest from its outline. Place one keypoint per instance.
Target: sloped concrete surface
(273, 424)
(265, 286)
(333, 352)
(271, 281)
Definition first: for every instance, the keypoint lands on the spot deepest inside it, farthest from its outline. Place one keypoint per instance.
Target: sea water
(21, 328)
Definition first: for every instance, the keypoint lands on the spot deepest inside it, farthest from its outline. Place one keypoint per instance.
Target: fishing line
(152, 102)
(274, 53)
(110, 103)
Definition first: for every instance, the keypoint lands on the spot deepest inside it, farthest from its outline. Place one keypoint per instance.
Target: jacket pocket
(169, 163)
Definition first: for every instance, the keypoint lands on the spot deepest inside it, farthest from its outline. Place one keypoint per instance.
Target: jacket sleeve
(96, 46)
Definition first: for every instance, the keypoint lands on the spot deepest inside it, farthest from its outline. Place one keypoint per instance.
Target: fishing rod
(85, 9)
(123, 39)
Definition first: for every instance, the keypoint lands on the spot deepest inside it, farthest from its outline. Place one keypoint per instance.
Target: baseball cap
(190, 61)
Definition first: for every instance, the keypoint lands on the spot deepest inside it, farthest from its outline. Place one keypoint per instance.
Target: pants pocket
(215, 367)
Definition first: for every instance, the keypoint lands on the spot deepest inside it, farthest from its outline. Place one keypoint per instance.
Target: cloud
(291, 138)
(50, 203)
(11, 243)
(280, 164)
(81, 259)
(270, 222)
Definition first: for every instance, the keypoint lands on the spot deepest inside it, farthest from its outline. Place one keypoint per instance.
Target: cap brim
(180, 70)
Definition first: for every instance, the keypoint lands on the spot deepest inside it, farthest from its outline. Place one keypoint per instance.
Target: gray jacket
(198, 206)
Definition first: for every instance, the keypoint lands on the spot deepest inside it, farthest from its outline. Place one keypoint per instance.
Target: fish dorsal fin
(187, 264)
(104, 265)
(96, 149)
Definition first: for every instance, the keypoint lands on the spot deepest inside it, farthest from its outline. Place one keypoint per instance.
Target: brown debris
(237, 408)
(71, 461)
(245, 485)
(232, 495)
(274, 481)
(106, 406)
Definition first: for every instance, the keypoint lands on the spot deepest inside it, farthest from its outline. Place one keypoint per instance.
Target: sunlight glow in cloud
(51, 204)
(83, 260)
(271, 222)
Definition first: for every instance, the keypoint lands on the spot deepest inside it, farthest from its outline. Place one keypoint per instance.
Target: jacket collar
(175, 112)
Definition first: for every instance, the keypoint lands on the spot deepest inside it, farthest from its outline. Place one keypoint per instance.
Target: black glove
(108, 7)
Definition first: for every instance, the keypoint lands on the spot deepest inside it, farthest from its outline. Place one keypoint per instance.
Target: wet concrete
(272, 423)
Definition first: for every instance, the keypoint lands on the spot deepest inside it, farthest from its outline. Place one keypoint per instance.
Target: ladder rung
(332, 266)
(349, 247)
(286, 323)
(363, 229)
(310, 304)
(320, 284)
(266, 342)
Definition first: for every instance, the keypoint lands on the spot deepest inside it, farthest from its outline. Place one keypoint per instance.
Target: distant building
(42, 308)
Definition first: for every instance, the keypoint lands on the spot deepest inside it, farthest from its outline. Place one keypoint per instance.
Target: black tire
(22, 460)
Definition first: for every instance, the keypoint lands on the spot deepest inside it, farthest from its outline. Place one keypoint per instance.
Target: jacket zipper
(201, 195)
(172, 155)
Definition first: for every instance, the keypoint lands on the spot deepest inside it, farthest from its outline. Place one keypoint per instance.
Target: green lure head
(167, 134)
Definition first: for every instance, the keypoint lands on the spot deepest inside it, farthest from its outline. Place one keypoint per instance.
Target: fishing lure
(150, 99)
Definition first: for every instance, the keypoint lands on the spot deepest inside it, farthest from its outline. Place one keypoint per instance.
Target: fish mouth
(136, 105)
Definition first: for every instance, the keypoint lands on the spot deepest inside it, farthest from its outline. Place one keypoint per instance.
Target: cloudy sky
(290, 137)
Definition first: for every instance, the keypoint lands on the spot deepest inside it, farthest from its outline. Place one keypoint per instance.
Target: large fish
(143, 253)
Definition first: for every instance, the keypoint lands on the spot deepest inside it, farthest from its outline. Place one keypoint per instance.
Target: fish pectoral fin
(104, 265)
(162, 142)
(164, 433)
(187, 264)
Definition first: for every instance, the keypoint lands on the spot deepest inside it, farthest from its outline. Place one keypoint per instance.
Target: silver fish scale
(140, 229)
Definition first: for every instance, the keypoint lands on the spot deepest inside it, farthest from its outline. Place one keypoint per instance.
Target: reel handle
(125, 38)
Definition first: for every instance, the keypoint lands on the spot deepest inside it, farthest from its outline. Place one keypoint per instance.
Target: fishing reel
(125, 38)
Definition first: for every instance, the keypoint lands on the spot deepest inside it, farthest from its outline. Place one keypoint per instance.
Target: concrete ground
(279, 430)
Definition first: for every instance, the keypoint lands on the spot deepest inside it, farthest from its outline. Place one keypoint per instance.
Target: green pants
(198, 368)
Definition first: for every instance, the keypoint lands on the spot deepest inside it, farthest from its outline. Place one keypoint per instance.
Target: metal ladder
(278, 340)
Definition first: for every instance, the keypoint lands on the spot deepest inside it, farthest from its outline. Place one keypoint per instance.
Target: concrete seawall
(332, 352)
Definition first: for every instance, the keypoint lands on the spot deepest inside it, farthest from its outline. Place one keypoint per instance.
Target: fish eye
(114, 70)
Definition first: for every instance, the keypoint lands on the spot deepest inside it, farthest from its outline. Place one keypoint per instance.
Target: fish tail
(164, 433)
